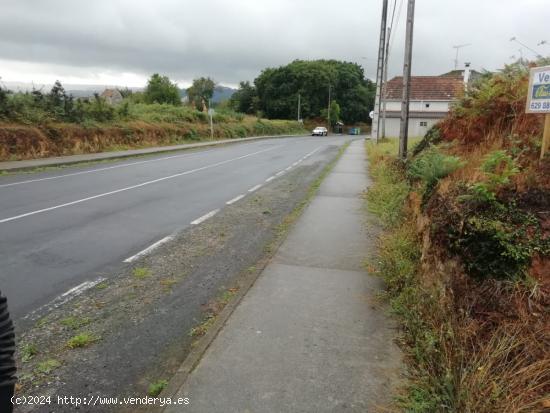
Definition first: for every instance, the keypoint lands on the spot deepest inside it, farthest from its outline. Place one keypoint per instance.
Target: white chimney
(466, 74)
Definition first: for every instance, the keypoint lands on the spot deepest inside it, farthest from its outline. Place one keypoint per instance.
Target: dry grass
(475, 346)
(58, 139)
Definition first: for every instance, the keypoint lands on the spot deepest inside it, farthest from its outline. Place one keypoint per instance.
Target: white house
(430, 100)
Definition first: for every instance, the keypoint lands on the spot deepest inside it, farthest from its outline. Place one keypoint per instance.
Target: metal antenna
(537, 54)
(458, 47)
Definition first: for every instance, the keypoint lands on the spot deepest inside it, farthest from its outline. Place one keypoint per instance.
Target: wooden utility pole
(299, 107)
(545, 136)
(328, 111)
(404, 131)
(385, 82)
(379, 72)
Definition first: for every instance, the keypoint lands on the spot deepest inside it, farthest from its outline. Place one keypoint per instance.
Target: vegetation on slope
(36, 124)
(466, 254)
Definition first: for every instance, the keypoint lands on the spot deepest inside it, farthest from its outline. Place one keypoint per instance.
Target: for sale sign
(538, 97)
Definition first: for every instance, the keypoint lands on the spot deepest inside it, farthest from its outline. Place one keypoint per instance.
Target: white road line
(289, 168)
(280, 173)
(237, 198)
(271, 178)
(296, 163)
(65, 297)
(187, 155)
(149, 249)
(205, 217)
(79, 201)
(255, 188)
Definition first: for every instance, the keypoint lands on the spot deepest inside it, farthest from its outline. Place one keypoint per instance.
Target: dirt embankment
(18, 141)
(467, 260)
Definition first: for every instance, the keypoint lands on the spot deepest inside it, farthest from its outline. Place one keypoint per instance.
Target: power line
(396, 24)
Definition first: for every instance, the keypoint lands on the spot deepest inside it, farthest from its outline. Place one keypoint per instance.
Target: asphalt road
(61, 231)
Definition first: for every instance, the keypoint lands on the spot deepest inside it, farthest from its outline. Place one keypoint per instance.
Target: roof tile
(427, 88)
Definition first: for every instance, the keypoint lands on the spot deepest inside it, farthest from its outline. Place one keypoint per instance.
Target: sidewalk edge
(195, 355)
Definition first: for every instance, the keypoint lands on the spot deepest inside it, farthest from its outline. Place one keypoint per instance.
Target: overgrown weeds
(466, 277)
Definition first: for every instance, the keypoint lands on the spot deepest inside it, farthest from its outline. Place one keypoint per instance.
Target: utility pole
(299, 107)
(404, 131)
(210, 110)
(379, 71)
(328, 111)
(385, 83)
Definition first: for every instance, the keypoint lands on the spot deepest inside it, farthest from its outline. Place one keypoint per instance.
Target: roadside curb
(198, 351)
(13, 166)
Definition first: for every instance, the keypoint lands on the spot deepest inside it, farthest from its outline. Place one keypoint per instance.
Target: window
(427, 105)
(423, 123)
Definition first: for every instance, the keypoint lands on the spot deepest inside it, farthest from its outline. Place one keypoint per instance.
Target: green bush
(498, 167)
(431, 166)
(498, 242)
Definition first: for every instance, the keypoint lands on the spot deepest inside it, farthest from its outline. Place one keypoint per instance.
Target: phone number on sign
(98, 401)
(540, 105)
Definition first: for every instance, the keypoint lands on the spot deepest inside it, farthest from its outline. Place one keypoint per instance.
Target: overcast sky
(122, 42)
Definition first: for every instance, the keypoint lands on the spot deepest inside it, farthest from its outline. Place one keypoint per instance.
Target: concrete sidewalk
(92, 157)
(309, 336)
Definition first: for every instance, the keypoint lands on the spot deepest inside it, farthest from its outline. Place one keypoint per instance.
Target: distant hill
(221, 92)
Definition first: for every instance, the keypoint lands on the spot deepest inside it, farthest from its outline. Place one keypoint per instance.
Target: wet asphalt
(60, 229)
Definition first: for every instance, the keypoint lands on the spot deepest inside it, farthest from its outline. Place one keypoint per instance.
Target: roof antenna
(458, 47)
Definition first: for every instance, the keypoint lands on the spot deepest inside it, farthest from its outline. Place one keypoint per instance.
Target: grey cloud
(234, 40)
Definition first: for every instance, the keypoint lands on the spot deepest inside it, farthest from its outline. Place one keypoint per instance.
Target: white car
(319, 131)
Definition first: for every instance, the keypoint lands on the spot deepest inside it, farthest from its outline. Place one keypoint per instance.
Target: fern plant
(430, 167)
(498, 167)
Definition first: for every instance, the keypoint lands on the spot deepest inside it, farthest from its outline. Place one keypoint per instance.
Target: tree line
(276, 92)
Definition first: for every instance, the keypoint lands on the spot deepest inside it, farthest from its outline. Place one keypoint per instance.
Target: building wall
(420, 105)
(415, 129)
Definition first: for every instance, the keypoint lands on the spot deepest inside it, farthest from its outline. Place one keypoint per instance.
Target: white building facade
(430, 101)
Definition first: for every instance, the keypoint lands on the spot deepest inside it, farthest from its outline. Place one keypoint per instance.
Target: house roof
(427, 88)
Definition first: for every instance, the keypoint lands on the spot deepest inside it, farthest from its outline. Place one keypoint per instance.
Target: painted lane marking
(65, 297)
(255, 188)
(237, 198)
(149, 249)
(79, 201)
(289, 168)
(187, 155)
(280, 173)
(271, 178)
(205, 217)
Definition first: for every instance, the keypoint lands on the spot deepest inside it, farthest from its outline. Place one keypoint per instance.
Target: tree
(277, 90)
(200, 92)
(161, 90)
(244, 99)
(4, 107)
(334, 113)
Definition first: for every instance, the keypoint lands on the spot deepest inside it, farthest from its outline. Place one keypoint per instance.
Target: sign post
(538, 101)
(211, 115)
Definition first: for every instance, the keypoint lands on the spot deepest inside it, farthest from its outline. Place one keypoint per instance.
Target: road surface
(61, 231)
